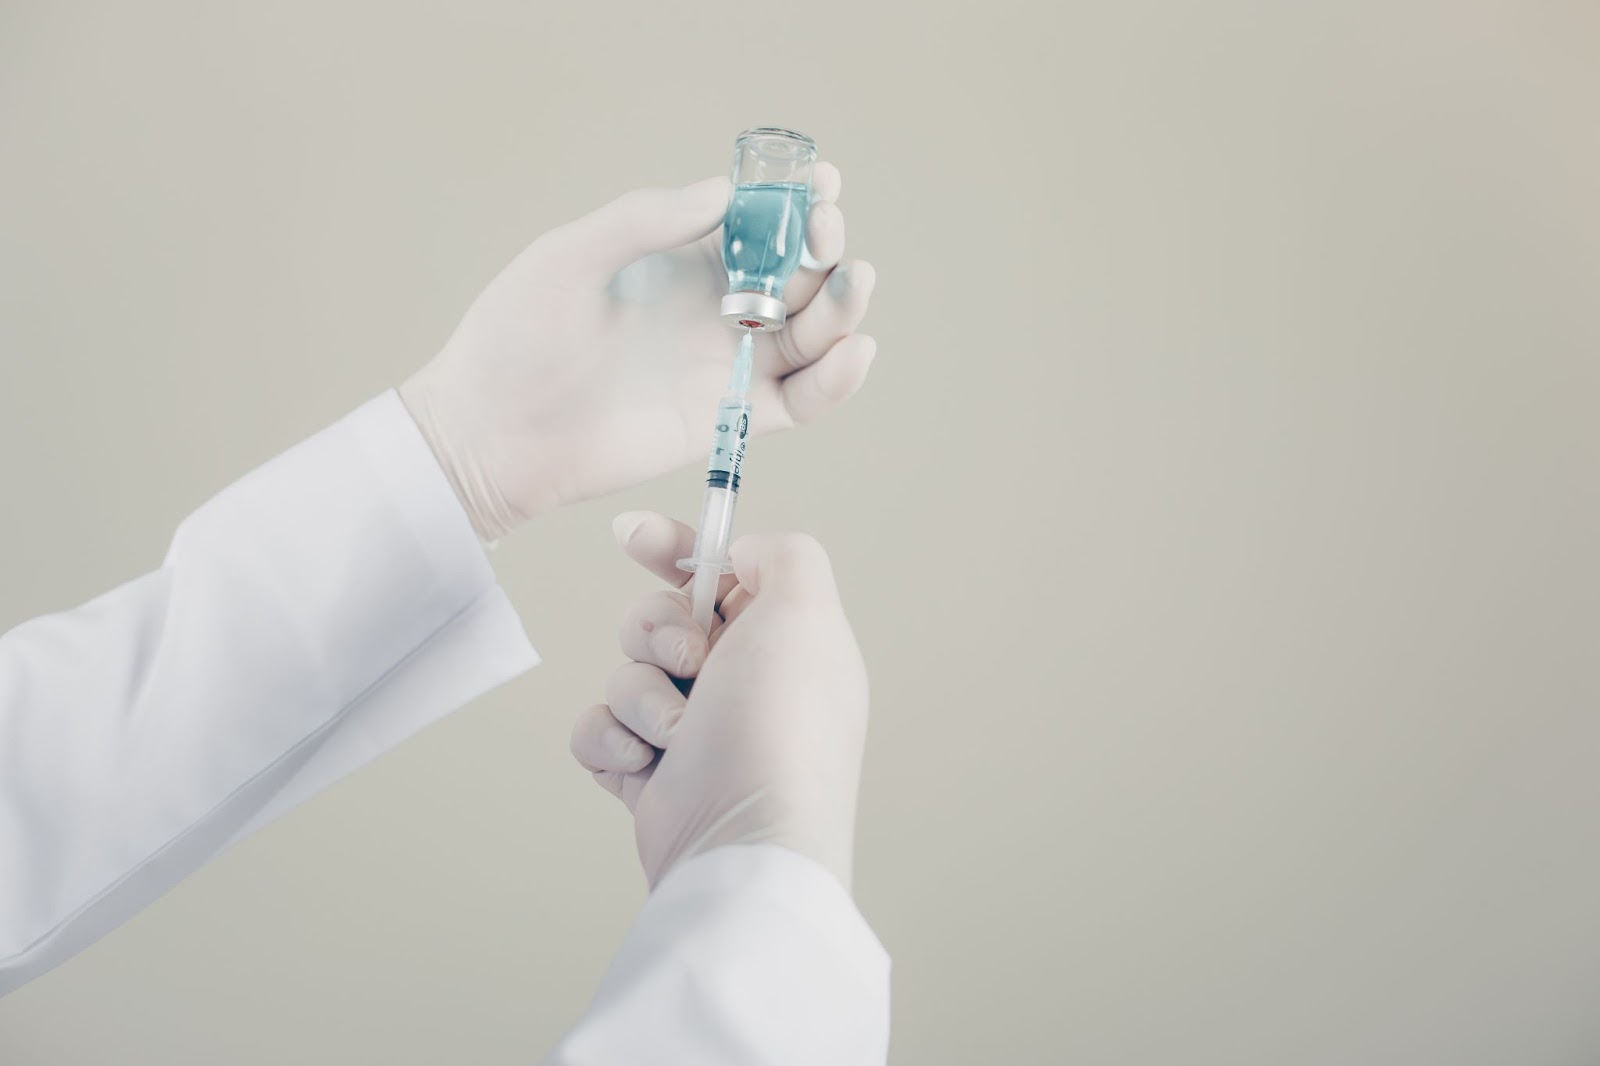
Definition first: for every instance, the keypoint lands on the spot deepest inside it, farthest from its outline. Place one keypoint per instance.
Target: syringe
(710, 559)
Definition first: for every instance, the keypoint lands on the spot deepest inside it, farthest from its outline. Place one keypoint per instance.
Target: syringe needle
(743, 364)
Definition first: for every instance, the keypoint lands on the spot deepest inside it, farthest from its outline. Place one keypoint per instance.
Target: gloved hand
(596, 359)
(767, 745)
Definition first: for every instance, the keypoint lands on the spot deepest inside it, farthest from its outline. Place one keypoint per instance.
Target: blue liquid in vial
(762, 236)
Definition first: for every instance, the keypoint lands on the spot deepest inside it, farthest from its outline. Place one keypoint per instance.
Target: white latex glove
(596, 359)
(767, 745)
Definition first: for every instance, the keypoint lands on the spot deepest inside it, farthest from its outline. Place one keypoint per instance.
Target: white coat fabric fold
(311, 615)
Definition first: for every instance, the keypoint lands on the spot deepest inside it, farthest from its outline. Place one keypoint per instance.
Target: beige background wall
(1220, 521)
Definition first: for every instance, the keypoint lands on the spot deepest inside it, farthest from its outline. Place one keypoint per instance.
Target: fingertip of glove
(708, 196)
(866, 275)
(826, 182)
(857, 274)
(848, 373)
(626, 524)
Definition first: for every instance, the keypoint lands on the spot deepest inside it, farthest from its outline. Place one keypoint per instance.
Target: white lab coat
(306, 619)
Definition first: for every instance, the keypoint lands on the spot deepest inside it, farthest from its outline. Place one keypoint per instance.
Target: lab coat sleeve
(746, 954)
(308, 617)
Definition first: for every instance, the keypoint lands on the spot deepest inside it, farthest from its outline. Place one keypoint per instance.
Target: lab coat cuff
(778, 879)
(352, 542)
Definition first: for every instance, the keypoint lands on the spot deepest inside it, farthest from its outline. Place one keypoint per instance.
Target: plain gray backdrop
(1219, 521)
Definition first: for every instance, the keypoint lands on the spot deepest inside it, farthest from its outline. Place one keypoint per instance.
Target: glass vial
(765, 227)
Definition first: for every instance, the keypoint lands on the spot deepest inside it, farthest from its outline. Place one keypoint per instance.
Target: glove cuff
(492, 517)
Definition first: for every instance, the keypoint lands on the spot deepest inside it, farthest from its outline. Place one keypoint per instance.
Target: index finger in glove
(638, 223)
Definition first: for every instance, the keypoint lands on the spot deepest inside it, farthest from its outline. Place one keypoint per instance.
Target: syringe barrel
(728, 442)
(722, 486)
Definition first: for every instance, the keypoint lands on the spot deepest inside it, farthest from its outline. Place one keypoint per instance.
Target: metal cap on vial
(753, 310)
